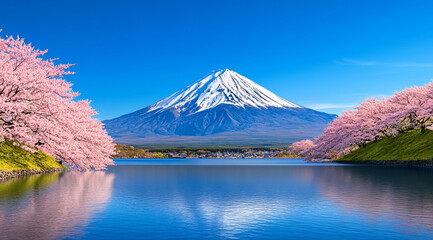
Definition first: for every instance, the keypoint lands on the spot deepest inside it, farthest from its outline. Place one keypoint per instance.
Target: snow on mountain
(223, 108)
(221, 87)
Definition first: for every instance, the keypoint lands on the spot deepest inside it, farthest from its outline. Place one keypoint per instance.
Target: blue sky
(328, 55)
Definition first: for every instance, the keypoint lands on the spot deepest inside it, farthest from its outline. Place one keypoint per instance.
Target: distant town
(125, 151)
(233, 154)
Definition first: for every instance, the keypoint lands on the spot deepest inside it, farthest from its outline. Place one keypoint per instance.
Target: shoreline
(428, 163)
(6, 175)
(204, 157)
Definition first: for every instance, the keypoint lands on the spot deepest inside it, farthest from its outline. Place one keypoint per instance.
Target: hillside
(411, 145)
(15, 158)
(125, 151)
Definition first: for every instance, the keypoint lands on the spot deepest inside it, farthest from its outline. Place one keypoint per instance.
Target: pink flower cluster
(37, 109)
(299, 148)
(374, 119)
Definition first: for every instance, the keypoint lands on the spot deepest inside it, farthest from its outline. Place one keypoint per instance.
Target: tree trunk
(422, 129)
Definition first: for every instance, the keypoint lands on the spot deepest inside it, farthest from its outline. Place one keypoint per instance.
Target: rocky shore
(408, 163)
(23, 173)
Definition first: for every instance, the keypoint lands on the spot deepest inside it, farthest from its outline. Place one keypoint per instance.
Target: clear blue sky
(327, 55)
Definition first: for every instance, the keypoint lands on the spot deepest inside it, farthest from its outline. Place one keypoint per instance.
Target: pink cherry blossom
(37, 109)
(374, 119)
(298, 148)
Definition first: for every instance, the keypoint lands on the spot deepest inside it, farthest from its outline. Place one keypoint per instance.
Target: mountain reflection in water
(289, 200)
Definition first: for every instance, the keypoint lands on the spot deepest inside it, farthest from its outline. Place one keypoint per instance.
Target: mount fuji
(222, 108)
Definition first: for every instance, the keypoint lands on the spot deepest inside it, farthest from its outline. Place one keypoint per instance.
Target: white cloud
(330, 106)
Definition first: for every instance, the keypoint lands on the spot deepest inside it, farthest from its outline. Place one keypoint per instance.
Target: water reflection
(270, 202)
(14, 189)
(52, 206)
(221, 202)
(403, 195)
(215, 201)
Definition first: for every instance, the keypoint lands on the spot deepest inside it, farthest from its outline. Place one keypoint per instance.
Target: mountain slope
(221, 87)
(221, 108)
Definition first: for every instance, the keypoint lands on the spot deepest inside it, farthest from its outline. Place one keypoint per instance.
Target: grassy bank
(411, 145)
(15, 158)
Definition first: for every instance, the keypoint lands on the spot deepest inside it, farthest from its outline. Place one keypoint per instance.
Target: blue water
(221, 199)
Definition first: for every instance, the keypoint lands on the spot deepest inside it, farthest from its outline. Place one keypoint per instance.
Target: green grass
(411, 145)
(15, 158)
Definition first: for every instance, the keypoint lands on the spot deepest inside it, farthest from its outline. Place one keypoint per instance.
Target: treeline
(125, 151)
(214, 150)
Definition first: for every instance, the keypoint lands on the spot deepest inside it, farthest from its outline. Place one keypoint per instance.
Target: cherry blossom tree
(336, 139)
(298, 148)
(374, 119)
(412, 108)
(37, 109)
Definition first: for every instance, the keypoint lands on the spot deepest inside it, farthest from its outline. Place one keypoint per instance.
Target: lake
(221, 199)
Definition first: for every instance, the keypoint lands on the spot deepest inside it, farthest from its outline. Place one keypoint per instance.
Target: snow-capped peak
(221, 87)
